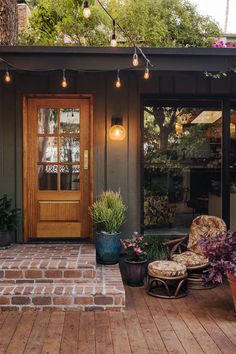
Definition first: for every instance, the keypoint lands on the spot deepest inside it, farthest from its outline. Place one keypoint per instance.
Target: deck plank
(38, 334)
(52, 342)
(202, 314)
(86, 341)
(151, 333)
(168, 335)
(69, 342)
(7, 331)
(22, 333)
(119, 335)
(103, 333)
(3, 316)
(181, 329)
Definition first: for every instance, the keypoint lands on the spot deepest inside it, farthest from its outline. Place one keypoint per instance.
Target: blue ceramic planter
(108, 247)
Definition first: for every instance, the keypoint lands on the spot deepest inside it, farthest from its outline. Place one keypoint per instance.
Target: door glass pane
(182, 166)
(70, 177)
(233, 169)
(70, 120)
(70, 150)
(47, 121)
(47, 149)
(47, 177)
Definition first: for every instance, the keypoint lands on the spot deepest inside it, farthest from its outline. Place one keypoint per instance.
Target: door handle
(86, 159)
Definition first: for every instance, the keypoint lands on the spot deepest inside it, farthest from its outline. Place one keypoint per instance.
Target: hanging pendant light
(135, 58)
(64, 83)
(113, 38)
(118, 81)
(86, 9)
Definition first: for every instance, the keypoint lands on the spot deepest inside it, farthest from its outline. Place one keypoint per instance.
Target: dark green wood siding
(116, 164)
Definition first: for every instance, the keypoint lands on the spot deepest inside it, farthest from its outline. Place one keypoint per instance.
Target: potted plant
(108, 213)
(8, 220)
(136, 260)
(221, 252)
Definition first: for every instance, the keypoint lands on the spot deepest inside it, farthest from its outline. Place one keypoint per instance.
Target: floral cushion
(204, 226)
(166, 269)
(190, 259)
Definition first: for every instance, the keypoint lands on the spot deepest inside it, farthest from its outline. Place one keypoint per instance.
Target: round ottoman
(167, 279)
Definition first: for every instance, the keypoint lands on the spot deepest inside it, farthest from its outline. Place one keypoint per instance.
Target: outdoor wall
(116, 164)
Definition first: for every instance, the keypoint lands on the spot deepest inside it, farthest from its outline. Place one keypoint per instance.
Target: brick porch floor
(58, 276)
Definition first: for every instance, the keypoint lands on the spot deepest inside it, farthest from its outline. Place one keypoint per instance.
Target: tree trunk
(8, 22)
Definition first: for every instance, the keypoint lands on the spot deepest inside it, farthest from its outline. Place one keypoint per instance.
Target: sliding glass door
(182, 156)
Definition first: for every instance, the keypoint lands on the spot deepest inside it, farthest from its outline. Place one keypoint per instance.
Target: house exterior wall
(116, 164)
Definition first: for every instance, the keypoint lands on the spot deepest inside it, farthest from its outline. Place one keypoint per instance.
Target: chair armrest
(174, 245)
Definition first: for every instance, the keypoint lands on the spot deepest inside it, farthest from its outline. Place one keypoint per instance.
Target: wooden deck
(203, 322)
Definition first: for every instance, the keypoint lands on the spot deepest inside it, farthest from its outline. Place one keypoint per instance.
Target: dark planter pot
(232, 283)
(5, 238)
(135, 272)
(108, 247)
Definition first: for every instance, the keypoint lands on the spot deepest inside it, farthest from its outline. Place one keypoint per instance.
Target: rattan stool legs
(167, 287)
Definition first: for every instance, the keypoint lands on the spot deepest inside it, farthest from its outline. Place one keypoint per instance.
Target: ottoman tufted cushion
(166, 269)
(190, 259)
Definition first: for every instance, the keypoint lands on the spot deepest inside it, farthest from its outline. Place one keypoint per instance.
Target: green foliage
(155, 248)
(9, 216)
(108, 212)
(161, 23)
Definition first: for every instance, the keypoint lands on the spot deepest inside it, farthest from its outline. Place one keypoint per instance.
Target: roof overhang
(109, 59)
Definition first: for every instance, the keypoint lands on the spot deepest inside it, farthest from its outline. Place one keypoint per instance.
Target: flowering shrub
(135, 248)
(224, 44)
(221, 252)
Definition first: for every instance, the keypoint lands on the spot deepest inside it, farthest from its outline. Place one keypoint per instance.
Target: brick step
(46, 276)
(84, 296)
(58, 277)
(48, 263)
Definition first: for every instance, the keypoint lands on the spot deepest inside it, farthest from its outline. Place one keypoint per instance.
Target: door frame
(26, 99)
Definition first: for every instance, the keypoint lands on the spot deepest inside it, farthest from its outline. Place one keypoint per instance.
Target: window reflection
(47, 177)
(70, 120)
(47, 149)
(70, 177)
(47, 121)
(70, 150)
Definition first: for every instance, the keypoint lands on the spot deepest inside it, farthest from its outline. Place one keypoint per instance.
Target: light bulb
(86, 10)
(118, 83)
(113, 41)
(117, 133)
(7, 77)
(64, 83)
(135, 59)
(146, 74)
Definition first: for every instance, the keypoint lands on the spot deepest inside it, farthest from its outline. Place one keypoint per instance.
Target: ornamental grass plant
(108, 212)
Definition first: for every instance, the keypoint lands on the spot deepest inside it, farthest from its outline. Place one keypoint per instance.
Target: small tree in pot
(9, 218)
(108, 213)
(221, 252)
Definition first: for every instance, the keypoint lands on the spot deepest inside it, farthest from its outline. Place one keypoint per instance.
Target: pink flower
(138, 250)
(141, 237)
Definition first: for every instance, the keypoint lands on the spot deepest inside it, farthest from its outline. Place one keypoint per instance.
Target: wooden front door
(57, 149)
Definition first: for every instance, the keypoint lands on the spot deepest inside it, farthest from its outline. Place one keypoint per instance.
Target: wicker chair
(193, 257)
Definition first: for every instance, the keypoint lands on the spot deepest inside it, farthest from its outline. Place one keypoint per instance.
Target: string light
(86, 9)
(113, 38)
(118, 82)
(135, 58)
(7, 77)
(146, 73)
(64, 83)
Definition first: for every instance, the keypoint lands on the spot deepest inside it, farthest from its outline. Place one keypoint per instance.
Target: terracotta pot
(232, 282)
(135, 272)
